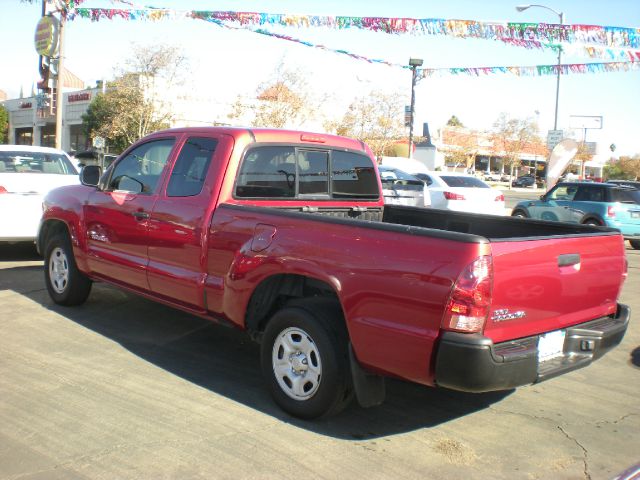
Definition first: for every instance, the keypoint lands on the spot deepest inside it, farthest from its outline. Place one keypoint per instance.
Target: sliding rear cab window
(288, 172)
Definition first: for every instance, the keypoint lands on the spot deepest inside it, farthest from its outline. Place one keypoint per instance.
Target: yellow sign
(46, 39)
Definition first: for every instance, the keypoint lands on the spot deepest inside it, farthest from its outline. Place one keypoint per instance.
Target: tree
(284, 100)
(464, 149)
(376, 119)
(135, 103)
(624, 168)
(583, 155)
(510, 136)
(4, 124)
(454, 122)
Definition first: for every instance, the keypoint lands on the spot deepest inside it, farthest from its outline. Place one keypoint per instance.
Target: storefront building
(30, 125)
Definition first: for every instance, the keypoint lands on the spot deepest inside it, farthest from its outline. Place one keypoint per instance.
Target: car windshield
(35, 162)
(464, 182)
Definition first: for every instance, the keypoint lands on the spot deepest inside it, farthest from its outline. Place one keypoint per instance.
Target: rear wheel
(65, 283)
(305, 359)
(592, 222)
(635, 244)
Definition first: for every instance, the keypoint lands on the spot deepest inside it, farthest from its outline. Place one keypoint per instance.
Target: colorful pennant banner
(535, 71)
(516, 32)
(611, 43)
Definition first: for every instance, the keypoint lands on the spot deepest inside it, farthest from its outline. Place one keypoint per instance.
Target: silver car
(402, 188)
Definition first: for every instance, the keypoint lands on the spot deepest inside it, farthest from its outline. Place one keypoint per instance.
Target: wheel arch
(47, 230)
(593, 217)
(275, 291)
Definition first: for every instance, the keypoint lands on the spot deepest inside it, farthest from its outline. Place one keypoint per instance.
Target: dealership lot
(124, 388)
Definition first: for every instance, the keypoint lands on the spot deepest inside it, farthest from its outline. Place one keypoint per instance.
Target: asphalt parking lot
(124, 388)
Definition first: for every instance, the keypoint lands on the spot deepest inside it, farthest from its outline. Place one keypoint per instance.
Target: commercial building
(33, 122)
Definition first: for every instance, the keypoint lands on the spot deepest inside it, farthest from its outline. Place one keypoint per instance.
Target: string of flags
(621, 45)
(535, 71)
(510, 31)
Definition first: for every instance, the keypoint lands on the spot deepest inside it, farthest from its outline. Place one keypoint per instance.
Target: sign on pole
(584, 122)
(407, 115)
(554, 137)
(47, 36)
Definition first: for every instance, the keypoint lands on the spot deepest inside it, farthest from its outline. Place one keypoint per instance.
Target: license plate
(635, 214)
(550, 345)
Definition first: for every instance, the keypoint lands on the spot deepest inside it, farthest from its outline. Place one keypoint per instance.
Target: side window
(191, 167)
(140, 170)
(353, 176)
(268, 172)
(588, 193)
(286, 172)
(563, 192)
(313, 172)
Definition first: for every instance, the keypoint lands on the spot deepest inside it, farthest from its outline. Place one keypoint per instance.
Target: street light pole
(414, 63)
(522, 8)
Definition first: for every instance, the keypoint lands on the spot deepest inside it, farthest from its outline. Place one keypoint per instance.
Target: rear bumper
(473, 363)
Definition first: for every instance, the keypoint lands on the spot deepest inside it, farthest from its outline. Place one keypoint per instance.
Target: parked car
(524, 181)
(628, 183)
(402, 188)
(589, 203)
(463, 193)
(27, 174)
(492, 177)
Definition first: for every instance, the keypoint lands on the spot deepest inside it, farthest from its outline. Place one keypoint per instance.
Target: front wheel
(305, 360)
(65, 283)
(635, 244)
(519, 214)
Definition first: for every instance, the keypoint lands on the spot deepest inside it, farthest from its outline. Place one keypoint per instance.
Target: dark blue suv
(616, 206)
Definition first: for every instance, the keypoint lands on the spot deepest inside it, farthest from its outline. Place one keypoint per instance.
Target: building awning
(70, 80)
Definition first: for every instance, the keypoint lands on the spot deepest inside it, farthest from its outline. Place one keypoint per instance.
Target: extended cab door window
(141, 169)
(190, 170)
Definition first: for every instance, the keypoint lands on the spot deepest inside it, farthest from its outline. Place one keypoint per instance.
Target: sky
(227, 62)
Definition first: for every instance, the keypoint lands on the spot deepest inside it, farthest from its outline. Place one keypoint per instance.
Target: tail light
(453, 196)
(611, 211)
(500, 198)
(3, 190)
(470, 299)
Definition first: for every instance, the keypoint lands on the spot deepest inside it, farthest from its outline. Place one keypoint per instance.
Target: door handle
(140, 215)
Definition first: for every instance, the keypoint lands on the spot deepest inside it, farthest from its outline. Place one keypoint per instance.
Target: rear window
(466, 182)
(287, 172)
(624, 195)
(36, 162)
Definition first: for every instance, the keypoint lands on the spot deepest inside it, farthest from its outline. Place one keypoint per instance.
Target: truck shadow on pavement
(225, 361)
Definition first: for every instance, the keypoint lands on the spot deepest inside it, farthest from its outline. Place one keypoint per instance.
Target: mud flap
(370, 388)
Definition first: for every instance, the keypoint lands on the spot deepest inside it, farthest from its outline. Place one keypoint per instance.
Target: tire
(592, 222)
(65, 283)
(305, 359)
(519, 214)
(635, 244)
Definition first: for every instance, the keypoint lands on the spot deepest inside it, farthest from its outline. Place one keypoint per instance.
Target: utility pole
(59, 84)
(414, 63)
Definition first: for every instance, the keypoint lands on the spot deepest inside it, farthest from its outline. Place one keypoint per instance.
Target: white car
(463, 193)
(401, 188)
(27, 174)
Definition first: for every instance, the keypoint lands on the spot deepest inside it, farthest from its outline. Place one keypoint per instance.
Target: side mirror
(90, 175)
(543, 198)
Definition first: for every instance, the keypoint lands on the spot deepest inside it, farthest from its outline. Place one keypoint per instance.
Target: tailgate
(552, 283)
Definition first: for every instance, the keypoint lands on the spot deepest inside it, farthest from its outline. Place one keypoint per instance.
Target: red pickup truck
(285, 235)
